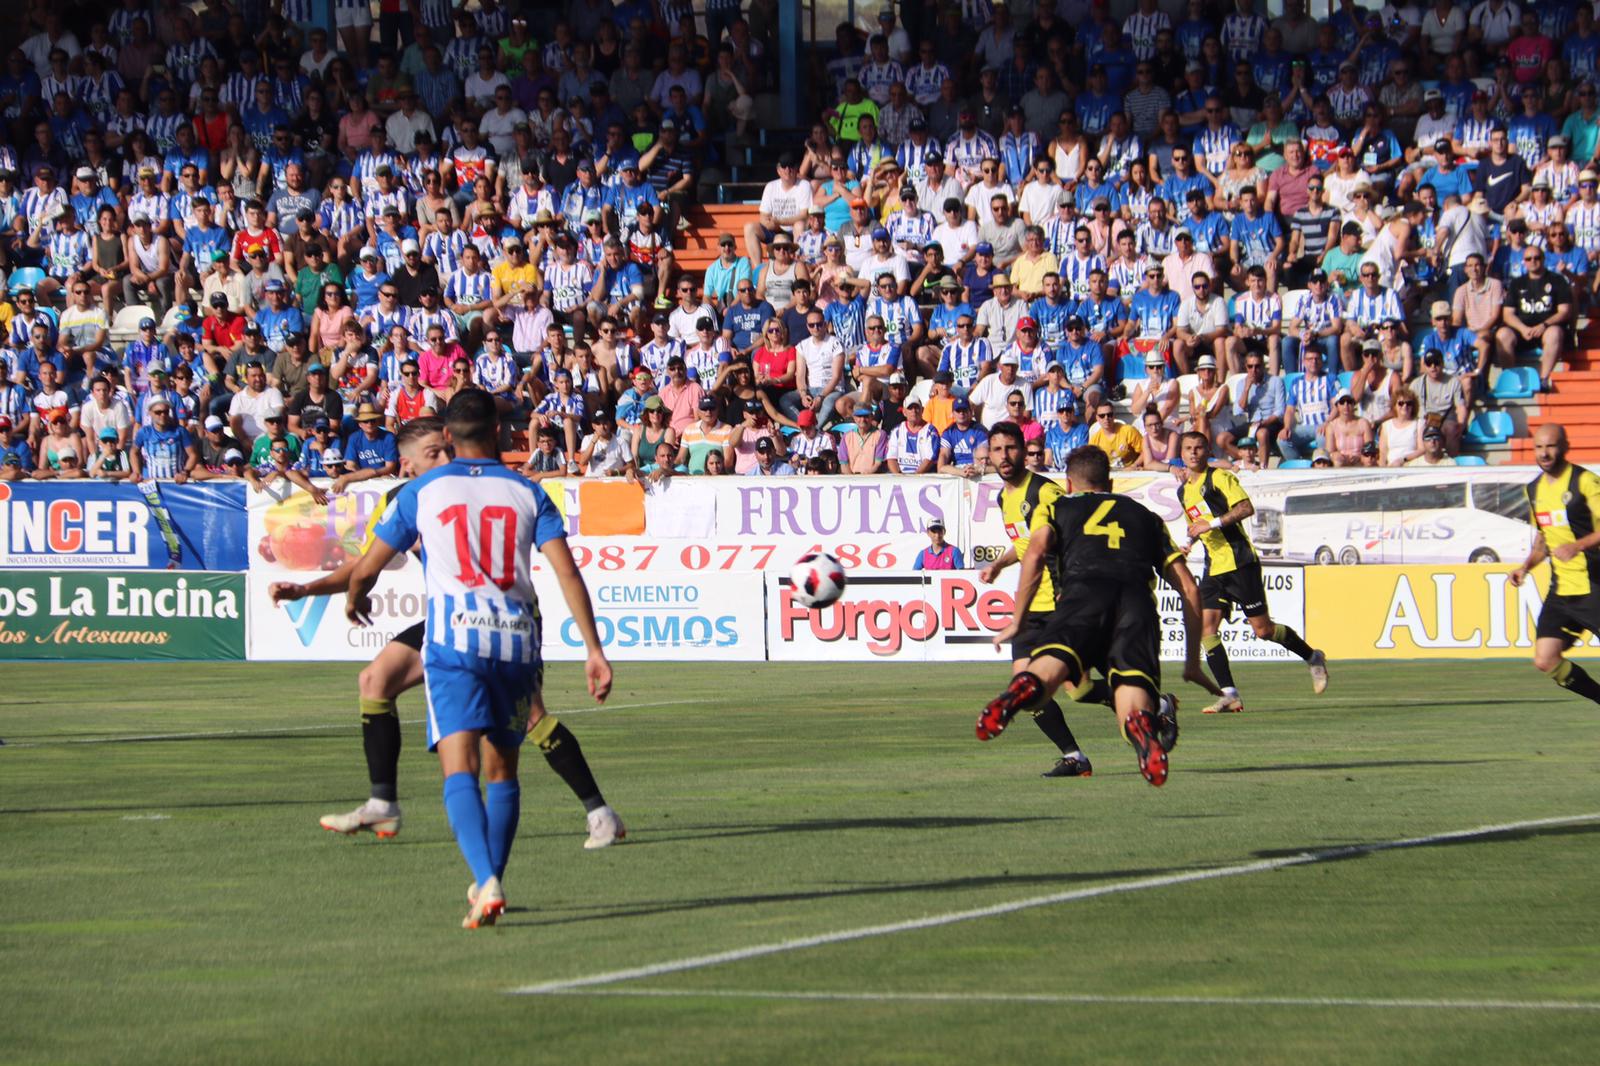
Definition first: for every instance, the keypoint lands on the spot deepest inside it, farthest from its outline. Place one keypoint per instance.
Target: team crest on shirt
(474, 471)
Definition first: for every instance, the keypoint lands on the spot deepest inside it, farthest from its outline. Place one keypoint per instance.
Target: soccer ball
(816, 580)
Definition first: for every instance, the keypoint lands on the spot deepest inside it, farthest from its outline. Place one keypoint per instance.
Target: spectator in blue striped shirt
(1310, 404)
(164, 450)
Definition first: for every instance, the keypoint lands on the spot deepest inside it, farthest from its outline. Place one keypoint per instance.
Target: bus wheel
(1484, 555)
(1349, 557)
(1323, 556)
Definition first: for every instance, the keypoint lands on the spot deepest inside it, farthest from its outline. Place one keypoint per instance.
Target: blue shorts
(495, 697)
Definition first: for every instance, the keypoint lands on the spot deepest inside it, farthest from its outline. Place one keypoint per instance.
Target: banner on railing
(945, 616)
(136, 614)
(1425, 612)
(156, 525)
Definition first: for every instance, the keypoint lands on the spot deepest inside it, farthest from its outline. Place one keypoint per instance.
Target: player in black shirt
(1538, 308)
(1104, 552)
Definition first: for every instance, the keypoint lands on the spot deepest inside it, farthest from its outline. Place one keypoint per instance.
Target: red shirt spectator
(774, 367)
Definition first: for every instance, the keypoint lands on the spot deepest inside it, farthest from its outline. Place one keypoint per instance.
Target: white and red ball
(816, 580)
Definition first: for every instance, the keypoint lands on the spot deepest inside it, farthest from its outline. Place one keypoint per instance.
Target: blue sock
(503, 801)
(464, 807)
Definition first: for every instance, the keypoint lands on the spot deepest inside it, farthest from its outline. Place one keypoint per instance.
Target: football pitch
(822, 865)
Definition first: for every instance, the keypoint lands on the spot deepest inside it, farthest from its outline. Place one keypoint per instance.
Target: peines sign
(121, 615)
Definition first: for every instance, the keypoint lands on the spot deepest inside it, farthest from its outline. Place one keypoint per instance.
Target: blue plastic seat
(1295, 464)
(1470, 460)
(1491, 427)
(1345, 377)
(25, 278)
(1516, 383)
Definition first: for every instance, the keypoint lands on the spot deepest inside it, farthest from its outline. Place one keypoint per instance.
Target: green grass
(784, 802)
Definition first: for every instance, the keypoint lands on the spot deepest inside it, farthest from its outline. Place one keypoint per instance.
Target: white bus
(1450, 518)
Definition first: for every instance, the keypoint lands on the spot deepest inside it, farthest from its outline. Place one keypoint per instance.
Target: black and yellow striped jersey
(1564, 510)
(1212, 496)
(1103, 537)
(1024, 508)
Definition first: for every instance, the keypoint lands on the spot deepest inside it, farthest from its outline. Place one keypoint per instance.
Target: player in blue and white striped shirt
(478, 522)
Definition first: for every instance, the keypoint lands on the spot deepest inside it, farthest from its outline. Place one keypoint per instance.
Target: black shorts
(1241, 588)
(1110, 627)
(1567, 618)
(410, 637)
(1035, 624)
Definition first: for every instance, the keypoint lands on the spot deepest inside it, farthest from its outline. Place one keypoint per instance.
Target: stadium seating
(1489, 427)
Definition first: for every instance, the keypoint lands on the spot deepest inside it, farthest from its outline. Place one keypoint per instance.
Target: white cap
(233, 455)
(272, 411)
(1010, 359)
(214, 422)
(409, 245)
(369, 253)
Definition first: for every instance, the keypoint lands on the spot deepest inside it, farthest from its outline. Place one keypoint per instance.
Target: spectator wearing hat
(706, 435)
(726, 273)
(963, 443)
(109, 461)
(314, 401)
(275, 419)
(321, 455)
(1346, 436)
(143, 352)
(863, 449)
(48, 396)
(770, 460)
(997, 317)
(162, 450)
(289, 369)
(914, 444)
(1434, 449)
(214, 441)
(370, 450)
(992, 394)
(605, 452)
(1316, 319)
(784, 203)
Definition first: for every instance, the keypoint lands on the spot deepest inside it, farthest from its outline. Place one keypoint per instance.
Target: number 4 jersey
(479, 523)
(1103, 538)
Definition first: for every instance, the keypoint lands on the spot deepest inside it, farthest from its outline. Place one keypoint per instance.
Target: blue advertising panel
(153, 525)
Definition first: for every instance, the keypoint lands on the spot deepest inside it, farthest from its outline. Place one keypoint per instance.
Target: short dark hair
(1007, 429)
(470, 416)
(1196, 435)
(1088, 467)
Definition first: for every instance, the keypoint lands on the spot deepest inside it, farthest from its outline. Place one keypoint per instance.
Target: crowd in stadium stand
(238, 246)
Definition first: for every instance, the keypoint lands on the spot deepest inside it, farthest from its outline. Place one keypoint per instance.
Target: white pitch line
(220, 733)
(698, 962)
(1089, 998)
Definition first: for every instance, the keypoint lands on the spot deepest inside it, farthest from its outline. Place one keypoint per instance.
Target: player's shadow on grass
(1345, 852)
(681, 833)
(651, 908)
(1374, 764)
